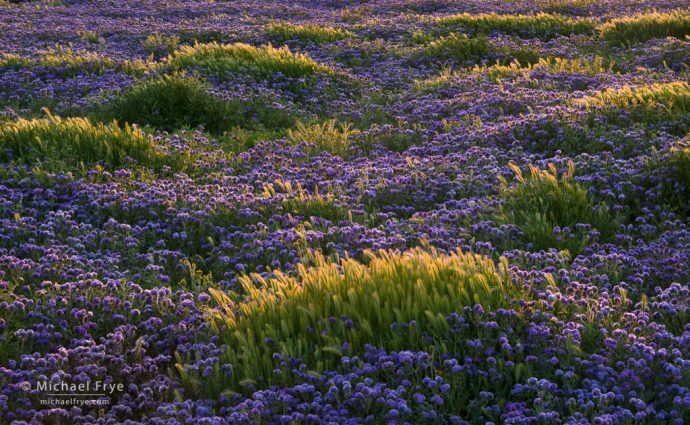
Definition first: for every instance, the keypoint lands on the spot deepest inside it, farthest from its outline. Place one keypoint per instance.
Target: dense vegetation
(405, 211)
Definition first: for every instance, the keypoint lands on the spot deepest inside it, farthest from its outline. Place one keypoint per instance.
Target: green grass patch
(240, 139)
(657, 103)
(175, 102)
(72, 62)
(542, 25)
(308, 33)
(553, 211)
(328, 136)
(583, 66)
(461, 49)
(91, 37)
(8, 60)
(299, 202)
(646, 26)
(355, 13)
(500, 71)
(302, 316)
(457, 47)
(259, 62)
(54, 143)
(158, 45)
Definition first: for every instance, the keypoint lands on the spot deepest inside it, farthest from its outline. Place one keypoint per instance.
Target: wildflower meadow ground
(344, 212)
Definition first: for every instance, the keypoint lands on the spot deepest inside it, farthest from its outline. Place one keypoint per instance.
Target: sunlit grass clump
(71, 141)
(329, 136)
(259, 62)
(553, 211)
(664, 102)
(8, 60)
(462, 49)
(645, 26)
(541, 25)
(299, 202)
(457, 47)
(72, 62)
(161, 44)
(498, 71)
(66, 56)
(175, 102)
(583, 66)
(78, 61)
(313, 314)
(285, 31)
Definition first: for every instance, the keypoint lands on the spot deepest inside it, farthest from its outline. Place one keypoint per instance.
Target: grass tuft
(299, 202)
(8, 60)
(646, 26)
(74, 62)
(457, 47)
(175, 102)
(328, 137)
(160, 44)
(91, 37)
(308, 33)
(542, 25)
(583, 66)
(553, 211)
(73, 141)
(667, 103)
(259, 62)
(499, 71)
(313, 314)
(462, 49)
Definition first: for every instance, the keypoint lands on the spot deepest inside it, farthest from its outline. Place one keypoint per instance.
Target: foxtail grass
(541, 25)
(73, 141)
(646, 26)
(582, 66)
(329, 136)
(259, 62)
(298, 201)
(318, 34)
(457, 47)
(667, 103)
(553, 211)
(336, 308)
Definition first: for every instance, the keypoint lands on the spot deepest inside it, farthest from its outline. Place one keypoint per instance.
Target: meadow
(346, 211)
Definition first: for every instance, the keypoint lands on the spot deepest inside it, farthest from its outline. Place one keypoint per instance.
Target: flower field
(345, 212)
